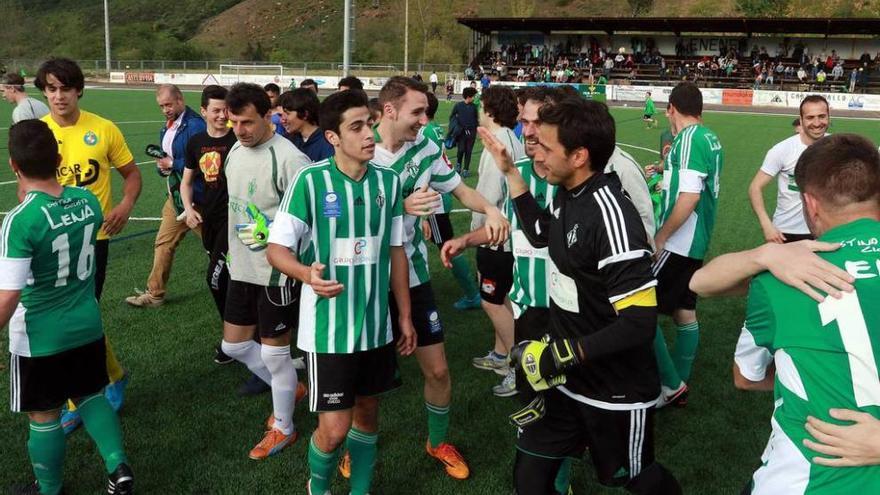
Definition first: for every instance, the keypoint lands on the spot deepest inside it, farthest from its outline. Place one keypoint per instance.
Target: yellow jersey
(88, 150)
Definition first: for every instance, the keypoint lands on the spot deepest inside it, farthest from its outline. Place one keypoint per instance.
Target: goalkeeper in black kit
(595, 371)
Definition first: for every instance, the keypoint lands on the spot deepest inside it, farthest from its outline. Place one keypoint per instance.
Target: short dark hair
(687, 99)
(33, 148)
(566, 91)
(12, 79)
(840, 169)
(337, 104)
(303, 101)
(468, 92)
(213, 92)
(272, 87)
(796, 122)
(813, 99)
(243, 94)
(350, 82)
(433, 104)
(375, 106)
(500, 103)
(582, 123)
(396, 87)
(65, 70)
(537, 93)
(308, 82)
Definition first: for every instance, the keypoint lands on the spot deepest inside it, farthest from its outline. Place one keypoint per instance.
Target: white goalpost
(260, 74)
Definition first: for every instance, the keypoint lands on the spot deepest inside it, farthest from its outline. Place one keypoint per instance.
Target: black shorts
(274, 310)
(673, 273)
(532, 324)
(441, 228)
(215, 238)
(496, 274)
(336, 379)
(621, 442)
(798, 237)
(45, 383)
(425, 319)
(647, 117)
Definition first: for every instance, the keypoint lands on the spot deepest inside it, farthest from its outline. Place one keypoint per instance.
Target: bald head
(170, 101)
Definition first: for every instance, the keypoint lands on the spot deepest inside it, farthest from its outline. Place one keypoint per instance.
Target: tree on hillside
(639, 7)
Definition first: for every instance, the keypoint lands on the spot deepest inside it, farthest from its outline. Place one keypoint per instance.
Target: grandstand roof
(677, 25)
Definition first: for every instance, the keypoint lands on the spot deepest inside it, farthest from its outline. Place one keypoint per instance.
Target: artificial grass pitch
(186, 431)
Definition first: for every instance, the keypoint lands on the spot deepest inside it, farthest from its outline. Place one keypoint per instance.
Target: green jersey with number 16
(826, 356)
(47, 251)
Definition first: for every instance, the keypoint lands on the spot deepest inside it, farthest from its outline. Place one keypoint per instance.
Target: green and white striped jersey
(530, 271)
(47, 251)
(435, 133)
(826, 355)
(418, 163)
(349, 226)
(693, 165)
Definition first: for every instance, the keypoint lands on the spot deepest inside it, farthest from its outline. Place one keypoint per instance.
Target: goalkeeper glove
(543, 362)
(254, 235)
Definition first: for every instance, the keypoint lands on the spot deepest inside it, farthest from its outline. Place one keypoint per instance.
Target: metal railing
(97, 67)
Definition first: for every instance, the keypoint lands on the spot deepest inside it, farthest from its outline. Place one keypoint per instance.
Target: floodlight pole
(346, 40)
(406, 39)
(107, 35)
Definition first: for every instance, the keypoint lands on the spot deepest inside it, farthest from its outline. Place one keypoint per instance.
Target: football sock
(563, 477)
(114, 369)
(46, 449)
(438, 423)
(321, 467)
(102, 424)
(362, 449)
(461, 269)
(280, 366)
(248, 353)
(687, 338)
(669, 376)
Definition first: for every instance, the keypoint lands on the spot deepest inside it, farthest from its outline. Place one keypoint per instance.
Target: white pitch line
(638, 147)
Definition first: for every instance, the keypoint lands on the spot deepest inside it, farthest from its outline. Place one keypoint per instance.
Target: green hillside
(298, 30)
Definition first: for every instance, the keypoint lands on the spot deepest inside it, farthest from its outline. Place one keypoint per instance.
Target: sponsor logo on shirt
(331, 205)
(90, 138)
(356, 251)
(488, 286)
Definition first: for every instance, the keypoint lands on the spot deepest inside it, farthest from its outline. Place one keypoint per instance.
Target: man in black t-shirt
(205, 157)
(596, 373)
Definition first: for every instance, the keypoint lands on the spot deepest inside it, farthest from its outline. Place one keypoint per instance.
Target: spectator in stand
(837, 72)
(853, 79)
(802, 75)
(821, 76)
(619, 59)
(758, 80)
(768, 74)
(485, 81)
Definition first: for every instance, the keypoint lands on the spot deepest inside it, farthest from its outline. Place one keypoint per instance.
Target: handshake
(255, 234)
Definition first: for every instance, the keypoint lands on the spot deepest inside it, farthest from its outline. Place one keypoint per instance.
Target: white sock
(280, 366)
(247, 353)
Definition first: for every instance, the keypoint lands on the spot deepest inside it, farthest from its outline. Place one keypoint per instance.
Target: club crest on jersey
(572, 236)
(331, 205)
(412, 168)
(380, 201)
(90, 138)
